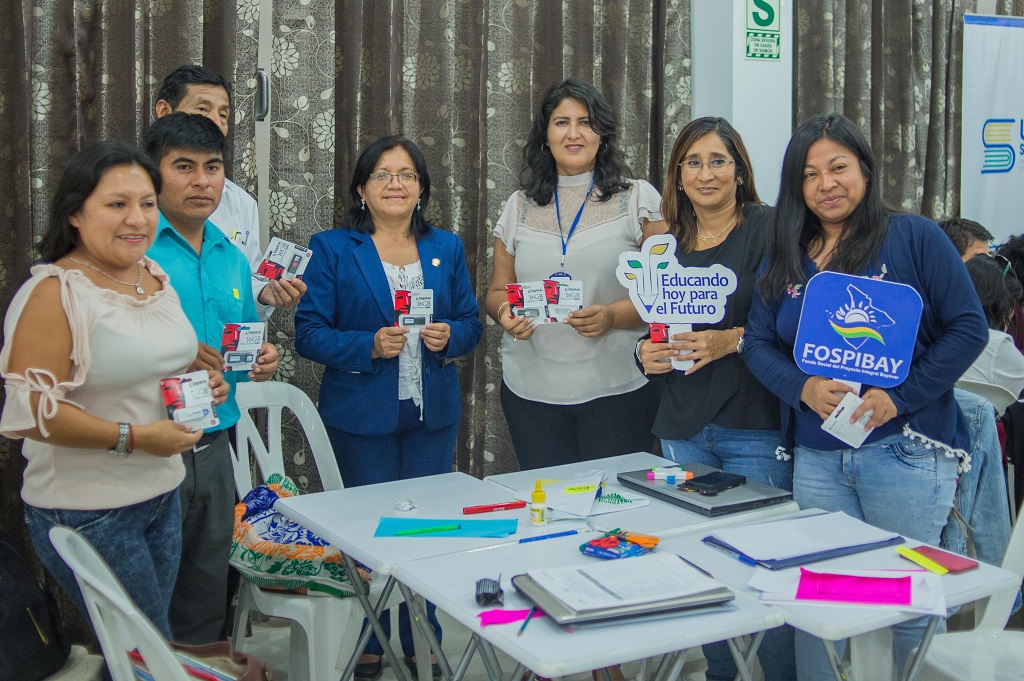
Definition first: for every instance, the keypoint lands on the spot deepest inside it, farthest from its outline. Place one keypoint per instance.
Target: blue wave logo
(997, 136)
(859, 320)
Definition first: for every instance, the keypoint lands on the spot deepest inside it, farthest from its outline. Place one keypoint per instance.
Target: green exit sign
(764, 29)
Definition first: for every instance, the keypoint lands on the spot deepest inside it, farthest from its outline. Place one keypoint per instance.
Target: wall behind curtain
(73, 73)
(462, 79)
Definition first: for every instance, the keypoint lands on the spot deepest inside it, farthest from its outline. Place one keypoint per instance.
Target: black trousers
(553, 434)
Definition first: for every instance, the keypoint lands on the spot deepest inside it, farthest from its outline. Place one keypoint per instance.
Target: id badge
(564, 276)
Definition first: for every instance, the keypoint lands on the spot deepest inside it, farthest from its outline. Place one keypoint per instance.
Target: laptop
(747, 496)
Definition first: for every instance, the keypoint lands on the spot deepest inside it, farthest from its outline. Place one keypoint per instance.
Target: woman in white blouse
(87, 339)
(570, 391)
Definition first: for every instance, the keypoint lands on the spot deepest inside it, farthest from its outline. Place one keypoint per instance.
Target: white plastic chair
(1000, 397)
(324, 629)
(119, 624)
(988, 652)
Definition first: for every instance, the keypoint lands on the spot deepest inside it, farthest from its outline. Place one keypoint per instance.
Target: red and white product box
(189, 400)
(240, 345)
(284, 260)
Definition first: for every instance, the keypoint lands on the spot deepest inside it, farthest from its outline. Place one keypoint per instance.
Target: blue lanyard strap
(558, 214)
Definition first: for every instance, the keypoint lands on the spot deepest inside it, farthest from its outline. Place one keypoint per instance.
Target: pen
(549, 536)
(487, 508)
(529, 616)
(428, 530)
(746, 560)
(696, 567)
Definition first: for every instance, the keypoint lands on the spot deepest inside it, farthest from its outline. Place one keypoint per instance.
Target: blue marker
(549, 536)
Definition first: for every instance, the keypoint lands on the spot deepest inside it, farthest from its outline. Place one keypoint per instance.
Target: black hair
(1013, 250)
(81, 175)
(987, 275)
(963, 232)
(357, 218)
(540, 176)
(675, 204)
(184, 131)
(794, 227)
(175, 85)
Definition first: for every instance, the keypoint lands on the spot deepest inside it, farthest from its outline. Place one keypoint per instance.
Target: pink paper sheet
(824, 586)
(502, 616)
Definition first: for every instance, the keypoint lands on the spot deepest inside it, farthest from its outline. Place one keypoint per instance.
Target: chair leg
(241, 615)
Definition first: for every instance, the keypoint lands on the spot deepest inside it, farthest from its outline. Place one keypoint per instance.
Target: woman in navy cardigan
(390, 394)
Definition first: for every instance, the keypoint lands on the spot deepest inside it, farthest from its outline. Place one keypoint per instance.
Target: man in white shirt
(198, 90)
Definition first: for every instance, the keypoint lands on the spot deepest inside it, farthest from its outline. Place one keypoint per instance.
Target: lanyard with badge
(561, 273)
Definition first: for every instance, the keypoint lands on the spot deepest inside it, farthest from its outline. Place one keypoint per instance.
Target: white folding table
(866, 627)
(348, 518)
(660, 518)
(548, 650)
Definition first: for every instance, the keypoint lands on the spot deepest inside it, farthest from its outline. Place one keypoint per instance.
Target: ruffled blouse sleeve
(18, 414)
(646, 203)
(508, 223)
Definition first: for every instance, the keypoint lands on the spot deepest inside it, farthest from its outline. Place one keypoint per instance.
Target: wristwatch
(121, 448)
(739, 343)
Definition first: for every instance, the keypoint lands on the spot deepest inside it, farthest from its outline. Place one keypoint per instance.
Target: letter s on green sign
(769, 14)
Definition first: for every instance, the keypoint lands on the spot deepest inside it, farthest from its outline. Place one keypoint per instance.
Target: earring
(739, 182)
(363, 206)
(418, 206)
(679, 187)
(545, 150)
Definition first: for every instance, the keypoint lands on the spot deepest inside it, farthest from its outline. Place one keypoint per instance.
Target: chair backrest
(1000, 397)
(118, 623)
(274, 396)
(998, 611)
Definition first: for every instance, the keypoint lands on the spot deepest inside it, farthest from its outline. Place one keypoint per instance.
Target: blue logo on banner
(857, 329)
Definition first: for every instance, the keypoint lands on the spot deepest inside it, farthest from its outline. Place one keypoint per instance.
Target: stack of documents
(907, 590)
(799, 541)
(604, 590)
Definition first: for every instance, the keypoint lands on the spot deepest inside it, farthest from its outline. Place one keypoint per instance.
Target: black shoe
(435, 670)
(368, 671)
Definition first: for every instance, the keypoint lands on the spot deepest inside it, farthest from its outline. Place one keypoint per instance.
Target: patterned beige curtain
(462, 80)
(893, 67)
(1010, 7)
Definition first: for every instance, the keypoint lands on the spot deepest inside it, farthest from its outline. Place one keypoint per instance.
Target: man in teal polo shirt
(211, 276)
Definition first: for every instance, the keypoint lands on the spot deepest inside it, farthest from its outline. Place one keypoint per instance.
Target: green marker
(428, 530)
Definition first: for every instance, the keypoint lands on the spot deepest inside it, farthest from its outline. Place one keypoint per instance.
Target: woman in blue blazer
(390, 394)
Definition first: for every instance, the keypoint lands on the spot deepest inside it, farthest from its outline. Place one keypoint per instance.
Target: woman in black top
(716, 413)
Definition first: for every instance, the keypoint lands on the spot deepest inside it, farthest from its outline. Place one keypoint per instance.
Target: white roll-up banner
(992, 137)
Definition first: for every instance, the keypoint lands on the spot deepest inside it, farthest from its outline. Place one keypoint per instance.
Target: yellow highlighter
(923, 561)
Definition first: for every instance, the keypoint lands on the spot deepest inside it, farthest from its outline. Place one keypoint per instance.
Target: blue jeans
(411, 451)
(897, 484)
(750, 453)
(141, 543)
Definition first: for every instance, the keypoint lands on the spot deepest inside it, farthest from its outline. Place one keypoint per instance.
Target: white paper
(838, 422)
(617, 498)
(801, 536)
(574, 496)
(612, 583)
(926, 593)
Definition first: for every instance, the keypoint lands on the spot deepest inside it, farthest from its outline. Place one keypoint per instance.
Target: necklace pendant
(138, 289)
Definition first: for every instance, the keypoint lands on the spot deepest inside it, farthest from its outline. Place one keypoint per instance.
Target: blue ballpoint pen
(746, 560)
(548, 536)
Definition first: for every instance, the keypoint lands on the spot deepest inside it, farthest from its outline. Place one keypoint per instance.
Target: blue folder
(795, 561)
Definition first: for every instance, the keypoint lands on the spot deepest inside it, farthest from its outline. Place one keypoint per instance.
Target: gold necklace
(710, 237)
(137, 284)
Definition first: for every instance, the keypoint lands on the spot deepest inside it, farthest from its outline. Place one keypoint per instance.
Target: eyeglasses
(693, 166)
(404, 178)
(1003, 262)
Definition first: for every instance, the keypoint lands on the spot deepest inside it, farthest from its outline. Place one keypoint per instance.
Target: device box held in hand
(189, 400)
(240, 345)
(545, 301)
(284, 260)
(414, 309)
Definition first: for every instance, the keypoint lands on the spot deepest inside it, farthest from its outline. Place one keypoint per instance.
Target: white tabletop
(660, 518)
(347, 518)
(835, 622)
(520, 480)
(544, 647)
